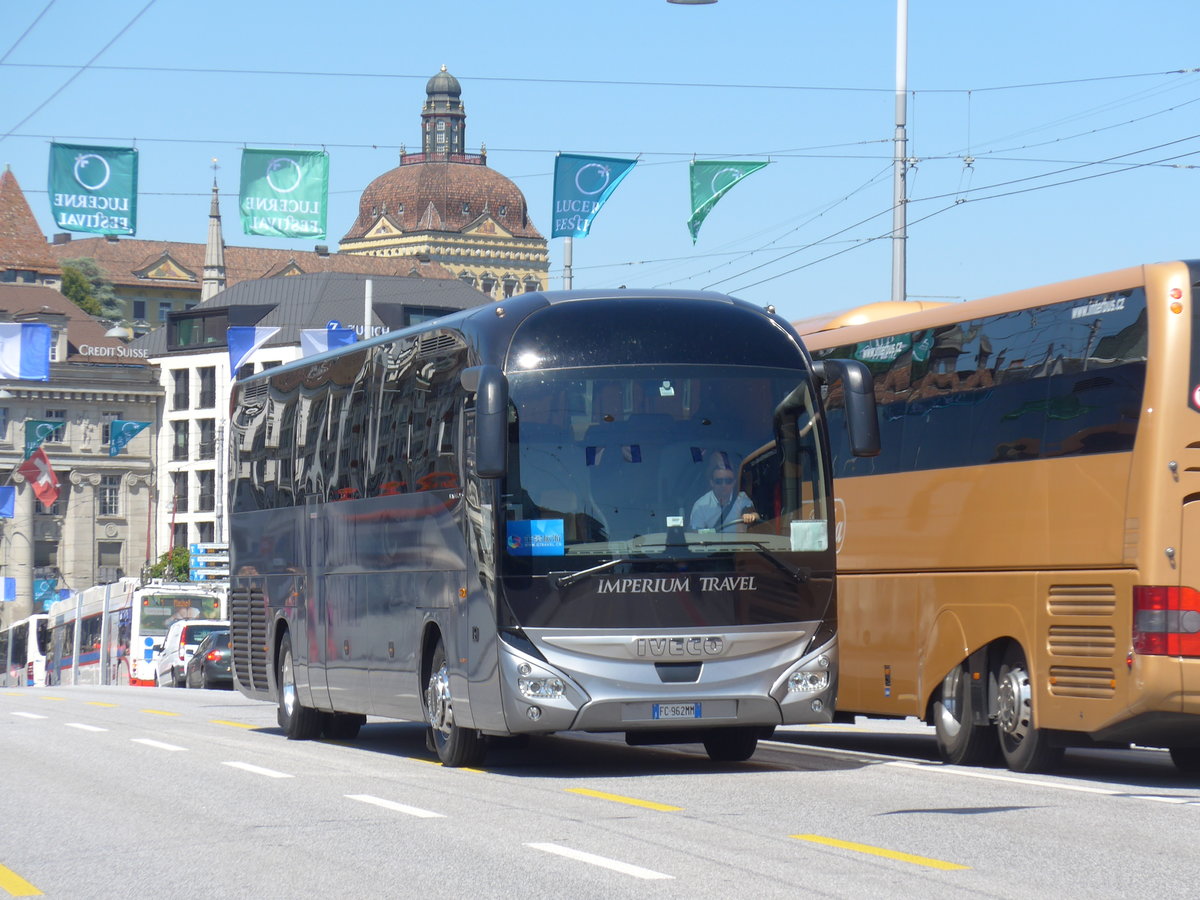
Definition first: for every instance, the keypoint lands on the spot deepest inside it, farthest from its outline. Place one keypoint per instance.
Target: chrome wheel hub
(437, 700)
(1015, 699)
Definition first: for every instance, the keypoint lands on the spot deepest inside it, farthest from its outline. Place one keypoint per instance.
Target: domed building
(446, 205)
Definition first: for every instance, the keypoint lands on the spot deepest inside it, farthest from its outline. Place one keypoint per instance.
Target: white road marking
(258, 770)
(396, 807)
(82, 727)
(602, 861)
(25, 715)
(158, 745)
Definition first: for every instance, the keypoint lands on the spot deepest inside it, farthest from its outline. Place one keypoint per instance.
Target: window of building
(502, 210)
(179, 487)
(179, 537)
(466, 207)
(108, 558)
(206, 497)
(3, 424)
(106, 419)
(510, 286)
(59, 435)
(208, 438)
(206, 532)
(139, 309)
(164, 310)
(181, 440)
(110, 495)
(54, 347)
(208, 387)
(179, 396)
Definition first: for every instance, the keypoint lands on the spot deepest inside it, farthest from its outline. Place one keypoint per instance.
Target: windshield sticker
(536, 537)
(810, 535)
(1098, 307)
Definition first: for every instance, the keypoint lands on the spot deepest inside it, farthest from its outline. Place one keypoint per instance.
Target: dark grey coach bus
(566, 511)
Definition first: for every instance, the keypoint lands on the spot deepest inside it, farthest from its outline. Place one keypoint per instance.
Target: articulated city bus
(112, 633)
(23, 648)
(1016, 564)
(522, 519)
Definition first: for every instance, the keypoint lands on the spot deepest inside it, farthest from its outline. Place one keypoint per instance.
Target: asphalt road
(162, 793)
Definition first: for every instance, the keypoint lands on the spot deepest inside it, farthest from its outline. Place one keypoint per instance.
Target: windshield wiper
(800, 573)
(569, 578)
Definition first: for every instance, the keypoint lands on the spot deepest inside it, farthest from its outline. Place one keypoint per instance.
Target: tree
(172, 565)
(101, 288)
(78, 289)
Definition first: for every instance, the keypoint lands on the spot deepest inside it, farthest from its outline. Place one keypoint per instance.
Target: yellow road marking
(880, 851)
(159, 712)
(50, 697)
(101, 703)
(232, 724)
(16, 886)
(631, 801)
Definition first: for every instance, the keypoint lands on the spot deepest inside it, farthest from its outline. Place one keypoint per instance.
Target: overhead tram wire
(25, 33)
(79, 70)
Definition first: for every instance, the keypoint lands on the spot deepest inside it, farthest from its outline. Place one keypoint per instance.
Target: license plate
(676, 710)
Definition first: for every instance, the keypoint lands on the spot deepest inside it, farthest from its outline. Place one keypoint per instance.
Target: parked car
(209, 665)
(183, 637)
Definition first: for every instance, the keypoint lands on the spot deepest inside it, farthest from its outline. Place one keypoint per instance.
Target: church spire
(443, 118)
(214, 250)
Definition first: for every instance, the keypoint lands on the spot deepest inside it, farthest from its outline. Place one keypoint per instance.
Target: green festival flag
(39, 430)
(711, 180)
(284, 193)
(94, 189)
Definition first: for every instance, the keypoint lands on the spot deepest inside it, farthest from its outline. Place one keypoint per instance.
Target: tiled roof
(22, 244)
(457, 192)
(83, 330)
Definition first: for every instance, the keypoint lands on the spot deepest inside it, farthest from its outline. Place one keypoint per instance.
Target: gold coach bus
(1014, 566)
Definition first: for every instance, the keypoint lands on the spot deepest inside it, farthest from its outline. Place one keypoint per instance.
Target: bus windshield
(682, 462)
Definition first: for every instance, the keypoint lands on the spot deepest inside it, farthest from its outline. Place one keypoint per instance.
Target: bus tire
(1025, 748)
(1186, 759)
(731, 744)
(455, 746)
(299, 722)
(959, 741)
(343, 726)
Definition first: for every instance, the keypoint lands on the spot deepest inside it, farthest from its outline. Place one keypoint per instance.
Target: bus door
(312, 617)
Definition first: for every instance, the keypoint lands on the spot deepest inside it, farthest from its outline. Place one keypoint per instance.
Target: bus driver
(723, 506)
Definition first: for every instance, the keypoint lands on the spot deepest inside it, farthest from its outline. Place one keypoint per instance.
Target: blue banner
(121, 432)
(581, 185)
(8, 501)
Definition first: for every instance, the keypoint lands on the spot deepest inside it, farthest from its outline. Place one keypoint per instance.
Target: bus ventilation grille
(1074, 681)
(1082, 600)
(1082, 640)
(248, 618)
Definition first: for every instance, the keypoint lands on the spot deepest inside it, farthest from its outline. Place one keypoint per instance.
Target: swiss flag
(41, 477)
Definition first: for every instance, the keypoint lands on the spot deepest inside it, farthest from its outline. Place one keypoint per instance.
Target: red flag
(41, 477)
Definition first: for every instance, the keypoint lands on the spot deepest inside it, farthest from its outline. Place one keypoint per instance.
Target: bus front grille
(248, 618)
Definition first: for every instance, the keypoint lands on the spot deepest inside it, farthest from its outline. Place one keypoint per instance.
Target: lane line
(396, 807)
(231, 724)
(602, 861)
(160, 712)
(27, 715)
(101, 703)
(257, 770)
(629, 801)
(158, 745)
(880, 851)
(16, 886)
(84, 727)
(50, 697)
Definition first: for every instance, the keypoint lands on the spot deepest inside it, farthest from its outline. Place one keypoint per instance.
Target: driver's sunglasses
(722, 481)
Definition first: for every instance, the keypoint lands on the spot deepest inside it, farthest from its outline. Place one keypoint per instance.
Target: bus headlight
(808, 682)
(536, 685)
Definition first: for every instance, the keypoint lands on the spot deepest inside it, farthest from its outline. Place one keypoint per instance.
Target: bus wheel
(1186, 759)
(731, 744)
(343, 726)
(298, 722)
(455, 745)
(1025, 748)
(959, 741)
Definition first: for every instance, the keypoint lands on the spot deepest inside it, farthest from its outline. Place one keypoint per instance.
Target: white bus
(122, 648)
(24, 646)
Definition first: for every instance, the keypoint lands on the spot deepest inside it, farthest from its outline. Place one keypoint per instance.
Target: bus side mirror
(859, 392)
(490, 388)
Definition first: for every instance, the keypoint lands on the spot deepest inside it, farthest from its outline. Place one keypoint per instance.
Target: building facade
(100, 527)
(446, 204)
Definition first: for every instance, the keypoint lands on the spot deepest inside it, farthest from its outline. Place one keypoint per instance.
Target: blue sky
(1052, 140)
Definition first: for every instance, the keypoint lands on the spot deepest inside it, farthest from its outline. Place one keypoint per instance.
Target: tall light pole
(900, 159)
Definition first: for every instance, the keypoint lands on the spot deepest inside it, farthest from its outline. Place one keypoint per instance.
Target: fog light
(817, 706)
(823, 662)
(808, 681)
(534, 713)
(524, 669)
